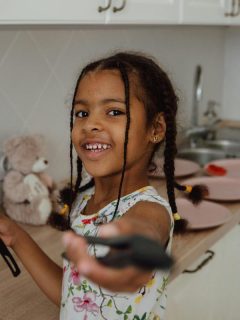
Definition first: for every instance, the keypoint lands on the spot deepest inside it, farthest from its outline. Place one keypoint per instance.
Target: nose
(93, 123)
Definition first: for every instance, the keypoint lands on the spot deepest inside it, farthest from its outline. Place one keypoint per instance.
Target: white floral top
(83, 299)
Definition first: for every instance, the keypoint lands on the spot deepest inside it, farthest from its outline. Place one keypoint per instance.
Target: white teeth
(96, 146)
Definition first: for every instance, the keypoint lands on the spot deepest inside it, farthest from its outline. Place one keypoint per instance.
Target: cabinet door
(144, 12)
(51, 11)
(205, 11)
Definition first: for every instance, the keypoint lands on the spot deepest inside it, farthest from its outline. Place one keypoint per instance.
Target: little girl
(124, 107)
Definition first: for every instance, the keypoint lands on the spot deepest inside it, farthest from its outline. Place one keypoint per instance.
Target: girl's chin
(97, 172)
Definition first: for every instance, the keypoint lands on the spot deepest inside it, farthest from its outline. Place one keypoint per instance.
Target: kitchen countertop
(21, 299)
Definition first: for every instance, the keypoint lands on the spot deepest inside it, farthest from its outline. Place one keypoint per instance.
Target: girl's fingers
(124, 279)
(76, 247)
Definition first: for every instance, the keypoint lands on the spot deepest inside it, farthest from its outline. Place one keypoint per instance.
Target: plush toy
(28, 192)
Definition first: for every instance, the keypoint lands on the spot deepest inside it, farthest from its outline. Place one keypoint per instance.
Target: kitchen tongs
(134, 250)
(7, 256)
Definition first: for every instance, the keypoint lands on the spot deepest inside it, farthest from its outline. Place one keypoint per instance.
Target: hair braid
(79, 175)
(170, 151)
(125, 79)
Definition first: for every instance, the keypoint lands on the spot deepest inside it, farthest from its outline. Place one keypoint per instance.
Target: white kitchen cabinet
(63, 12)
(89, 12)
(205, 11)
(213, 291)
(52, 11)
(143, 12)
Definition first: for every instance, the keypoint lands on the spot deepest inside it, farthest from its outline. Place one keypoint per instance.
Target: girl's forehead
(97, 76)
(103, 82)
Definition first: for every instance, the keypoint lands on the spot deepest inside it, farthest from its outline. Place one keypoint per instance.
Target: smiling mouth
(96, 147)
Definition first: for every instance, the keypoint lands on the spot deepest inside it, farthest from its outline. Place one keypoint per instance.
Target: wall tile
(231, 74)
(23, 74)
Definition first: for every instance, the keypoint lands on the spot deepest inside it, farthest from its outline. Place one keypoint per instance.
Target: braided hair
(153, 87)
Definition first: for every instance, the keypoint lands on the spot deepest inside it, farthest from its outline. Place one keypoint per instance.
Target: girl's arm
(148, 219)
(46, 273)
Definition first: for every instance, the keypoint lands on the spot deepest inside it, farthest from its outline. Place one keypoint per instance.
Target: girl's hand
(9, 230)
(128, 279)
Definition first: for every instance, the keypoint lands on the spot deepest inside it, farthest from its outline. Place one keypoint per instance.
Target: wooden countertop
(21, 299)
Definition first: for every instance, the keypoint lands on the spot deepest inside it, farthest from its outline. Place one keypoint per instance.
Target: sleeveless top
(83, 299)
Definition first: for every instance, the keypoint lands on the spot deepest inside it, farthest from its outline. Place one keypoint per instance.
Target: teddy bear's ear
(39, 139)
(10, 145)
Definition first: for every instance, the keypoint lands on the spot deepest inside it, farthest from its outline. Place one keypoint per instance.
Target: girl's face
(99, 126)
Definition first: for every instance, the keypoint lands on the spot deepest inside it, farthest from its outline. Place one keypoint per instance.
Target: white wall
(231, 99)
(39, 66)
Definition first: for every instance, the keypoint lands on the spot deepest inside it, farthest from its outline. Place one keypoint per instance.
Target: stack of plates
(203, 216)
(183, 168)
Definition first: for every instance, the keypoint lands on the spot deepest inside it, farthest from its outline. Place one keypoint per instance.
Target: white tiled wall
(232, 74)
(39, 66)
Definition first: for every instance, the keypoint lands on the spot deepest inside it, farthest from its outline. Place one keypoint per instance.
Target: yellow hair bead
(176, 216)
(64, 210)
(188, 189)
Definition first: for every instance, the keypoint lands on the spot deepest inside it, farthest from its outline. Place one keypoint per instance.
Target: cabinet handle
(203, 263)
(238, 9)
(232, 13)
(101, 9)
(115, 9)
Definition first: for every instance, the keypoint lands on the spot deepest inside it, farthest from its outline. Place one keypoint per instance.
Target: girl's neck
(107, 191)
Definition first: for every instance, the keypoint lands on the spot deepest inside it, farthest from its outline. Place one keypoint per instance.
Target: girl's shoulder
(80, 201)
(148, 193)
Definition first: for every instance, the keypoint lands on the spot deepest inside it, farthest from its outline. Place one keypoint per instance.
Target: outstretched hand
(127, 279)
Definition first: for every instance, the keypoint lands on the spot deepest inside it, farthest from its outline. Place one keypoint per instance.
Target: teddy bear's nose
(45, 161)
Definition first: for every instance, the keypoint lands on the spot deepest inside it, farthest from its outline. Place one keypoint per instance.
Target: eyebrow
(104, 101)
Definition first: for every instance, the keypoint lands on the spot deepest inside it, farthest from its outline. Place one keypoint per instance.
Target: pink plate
(232, 166)
(182, 168)
(205, 215)
(220, 188)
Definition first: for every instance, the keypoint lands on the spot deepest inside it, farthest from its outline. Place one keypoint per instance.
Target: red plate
(205, 215)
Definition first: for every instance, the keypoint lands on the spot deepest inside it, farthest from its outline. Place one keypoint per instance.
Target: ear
(10, 145)
(158, 128)
(38, 138)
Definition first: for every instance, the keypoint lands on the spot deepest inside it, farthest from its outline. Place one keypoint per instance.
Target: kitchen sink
(232, 148)
(201, 155)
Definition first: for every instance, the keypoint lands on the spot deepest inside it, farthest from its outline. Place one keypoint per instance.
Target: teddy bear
(28, 191)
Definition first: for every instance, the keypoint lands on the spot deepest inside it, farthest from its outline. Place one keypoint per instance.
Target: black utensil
(134, 250)
(7, 256)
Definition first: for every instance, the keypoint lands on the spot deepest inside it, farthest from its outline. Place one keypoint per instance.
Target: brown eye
(115, 112)
(81, 114)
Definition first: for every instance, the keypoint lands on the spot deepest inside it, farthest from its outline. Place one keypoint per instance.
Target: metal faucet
(196, 131)
(197, 95)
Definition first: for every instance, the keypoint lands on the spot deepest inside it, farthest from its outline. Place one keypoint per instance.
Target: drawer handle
(232, 13)
(101, 9)
(238, 10)
(115, 9)
(203, 263)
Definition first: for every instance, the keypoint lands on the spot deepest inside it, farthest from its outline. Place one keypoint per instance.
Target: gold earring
(155, 139)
